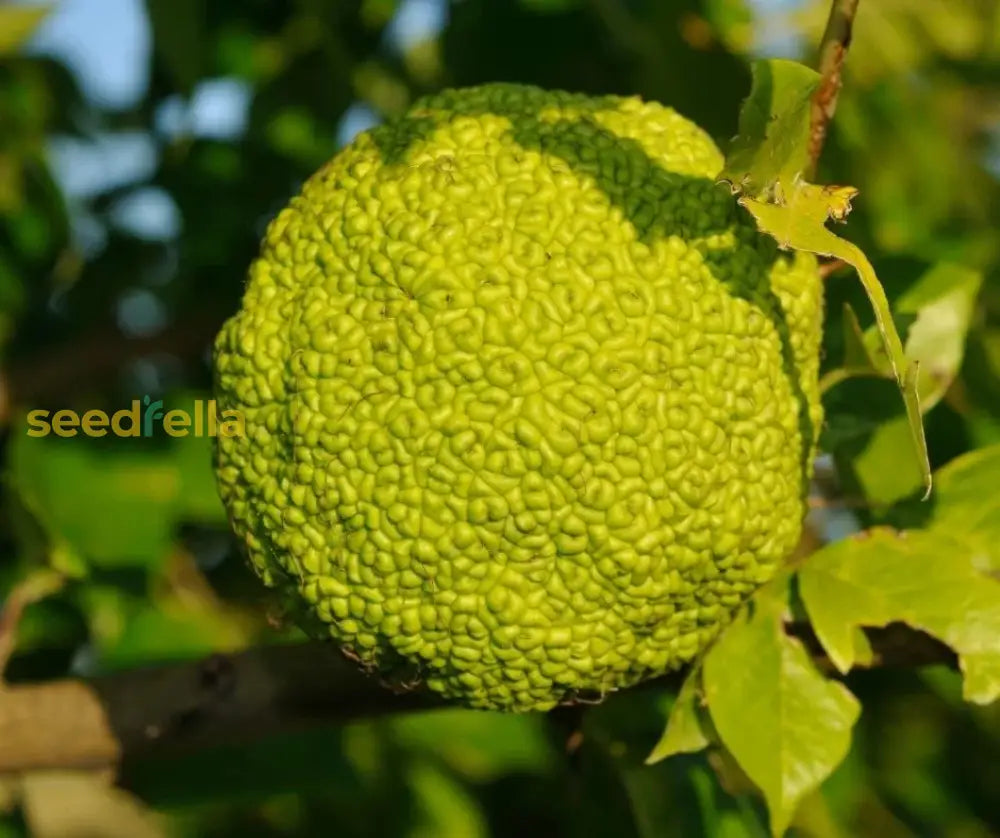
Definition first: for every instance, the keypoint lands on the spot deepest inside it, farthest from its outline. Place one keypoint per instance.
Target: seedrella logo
(142, 418)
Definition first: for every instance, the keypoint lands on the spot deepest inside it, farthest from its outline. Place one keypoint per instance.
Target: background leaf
(924, 579)
(940, 306)
(135, 499)
(942, 303)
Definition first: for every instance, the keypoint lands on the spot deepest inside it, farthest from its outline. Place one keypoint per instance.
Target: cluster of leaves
(757, 691)
(761, 695)
(133, 535)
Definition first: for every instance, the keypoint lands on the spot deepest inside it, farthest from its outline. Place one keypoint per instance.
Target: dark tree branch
(70, 368)
(252, 694)
(239, 697)
(832, 52)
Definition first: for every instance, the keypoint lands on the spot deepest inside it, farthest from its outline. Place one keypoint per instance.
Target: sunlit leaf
(773, 141)
(923, 578)
(786, 724)
(967, 505)
(685, 731)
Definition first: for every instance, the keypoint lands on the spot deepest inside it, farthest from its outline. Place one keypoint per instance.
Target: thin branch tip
(832, 53)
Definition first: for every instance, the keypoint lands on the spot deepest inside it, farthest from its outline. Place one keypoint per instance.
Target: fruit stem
(832, 52)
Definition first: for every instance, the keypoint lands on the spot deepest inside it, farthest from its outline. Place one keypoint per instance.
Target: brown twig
(31, 590)
(830, 267)
(832, 52)
(260, 692)
(894, 646)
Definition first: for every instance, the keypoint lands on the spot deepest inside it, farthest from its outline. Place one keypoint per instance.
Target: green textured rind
(530, 404)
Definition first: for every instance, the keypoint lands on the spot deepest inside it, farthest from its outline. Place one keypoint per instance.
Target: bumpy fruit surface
(530, 405)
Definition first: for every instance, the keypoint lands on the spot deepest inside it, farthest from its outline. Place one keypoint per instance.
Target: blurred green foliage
(99, 306)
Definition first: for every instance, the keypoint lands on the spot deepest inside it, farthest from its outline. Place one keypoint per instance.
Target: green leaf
(940, 303)
(773, 141)
(481, 746)
(766, 163)
(198, 496)
(786, 724)
(145, 633)
(116, 503)
(967, 505)
(725, 811)
(659, 799)
(922, 578)
(876, 454)
(884, 469)
(943, 300)
(800, 224)
(445, 808)
(178, 618)
(36, 543)
(18, 24)
(652, 796)
(873, 450)
(685, 731)
(108, 507)
(858, 358)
